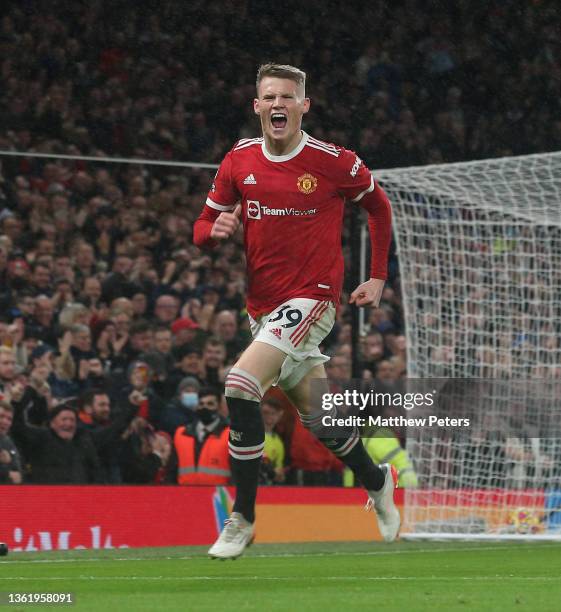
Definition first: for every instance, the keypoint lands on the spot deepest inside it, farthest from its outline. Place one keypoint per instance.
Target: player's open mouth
(279, 121)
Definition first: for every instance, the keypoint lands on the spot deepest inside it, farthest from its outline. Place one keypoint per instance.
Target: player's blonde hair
(281, 71)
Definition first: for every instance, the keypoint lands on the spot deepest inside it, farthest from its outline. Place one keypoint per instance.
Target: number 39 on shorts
(291, 315)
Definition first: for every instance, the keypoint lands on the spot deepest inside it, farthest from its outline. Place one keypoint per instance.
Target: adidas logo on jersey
(276, 331)
(249, 180)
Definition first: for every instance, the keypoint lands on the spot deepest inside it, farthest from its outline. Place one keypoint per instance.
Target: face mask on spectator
(206, 415)
(189, 399)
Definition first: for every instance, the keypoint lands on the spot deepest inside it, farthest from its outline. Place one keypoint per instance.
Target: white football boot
(389, 519)
(236, 536)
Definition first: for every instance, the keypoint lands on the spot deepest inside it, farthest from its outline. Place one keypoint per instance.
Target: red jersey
(292, 216)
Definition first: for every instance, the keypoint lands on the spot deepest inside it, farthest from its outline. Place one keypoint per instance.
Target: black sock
(247, 438)
(349, 449)
(364, 469)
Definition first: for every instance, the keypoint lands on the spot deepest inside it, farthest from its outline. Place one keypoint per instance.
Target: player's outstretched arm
(368, 293)
(379, 211)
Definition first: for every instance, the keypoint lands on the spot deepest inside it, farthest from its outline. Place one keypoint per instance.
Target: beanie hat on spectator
(189, 381)
(40, 350)
(67, 405)
(187, 349)
(183, 323)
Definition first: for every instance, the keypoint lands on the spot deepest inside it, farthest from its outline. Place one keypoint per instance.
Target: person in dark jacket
(10, 462)
(140, 393)
(57, 453)
(106, 426)
(181, 410)
(147, 455)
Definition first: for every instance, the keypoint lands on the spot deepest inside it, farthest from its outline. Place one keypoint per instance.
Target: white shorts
(297, 327)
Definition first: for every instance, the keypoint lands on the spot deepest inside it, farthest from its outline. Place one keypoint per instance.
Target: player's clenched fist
(368, 293)
(226, 224)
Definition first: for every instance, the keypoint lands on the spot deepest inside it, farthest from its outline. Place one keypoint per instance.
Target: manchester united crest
(307, 183)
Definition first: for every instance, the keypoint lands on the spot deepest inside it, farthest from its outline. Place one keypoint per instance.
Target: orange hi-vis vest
(213, 467)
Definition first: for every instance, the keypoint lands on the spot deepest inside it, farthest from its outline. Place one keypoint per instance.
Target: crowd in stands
(406, 82)
(115, 331)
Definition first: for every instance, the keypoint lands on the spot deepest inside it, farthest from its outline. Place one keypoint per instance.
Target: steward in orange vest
(202, 450)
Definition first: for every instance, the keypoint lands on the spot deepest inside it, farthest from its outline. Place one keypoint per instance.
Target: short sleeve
(223, 194)
(354, 178)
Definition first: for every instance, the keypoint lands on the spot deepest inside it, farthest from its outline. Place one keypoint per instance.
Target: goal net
(479, 249)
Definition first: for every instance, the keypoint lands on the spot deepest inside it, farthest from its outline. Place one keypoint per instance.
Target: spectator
(41, 280)
(10, 461)
(91, 292)
(163, 344)
(372, 350)
(7, 368)
(84, 262)
(72, 314)
(63, 295)
(139, 340)
(79, 352)
(184, 332)
(166, 309)
(140, 305)
(181, 410)
(42, 322)
(226, 329)
(104, 339)
(34, 394)
(202, 446)
(116, 283)
(147, 455)
(338, 370)
(189, 363)
(386, 372)
(272, 468)
(214, 362)
(105, 427)
(57, 453)
(139, 393)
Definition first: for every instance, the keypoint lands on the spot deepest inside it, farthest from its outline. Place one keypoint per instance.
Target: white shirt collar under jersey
(202, 430)
(291, 155)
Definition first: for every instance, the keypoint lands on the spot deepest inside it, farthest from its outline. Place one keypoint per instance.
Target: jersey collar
(291, 155)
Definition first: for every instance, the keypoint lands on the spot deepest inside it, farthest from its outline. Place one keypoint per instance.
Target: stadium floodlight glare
(479, 250)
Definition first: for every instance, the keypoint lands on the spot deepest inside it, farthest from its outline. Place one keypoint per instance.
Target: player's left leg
(245, 384)
(379, 481)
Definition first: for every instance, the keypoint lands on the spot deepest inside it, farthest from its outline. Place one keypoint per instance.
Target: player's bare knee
(261, 361)
(307, 393)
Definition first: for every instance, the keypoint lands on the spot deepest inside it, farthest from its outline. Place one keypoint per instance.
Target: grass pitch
(408, 576)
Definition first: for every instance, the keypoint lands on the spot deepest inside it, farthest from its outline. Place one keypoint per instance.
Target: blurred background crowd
(115, 331)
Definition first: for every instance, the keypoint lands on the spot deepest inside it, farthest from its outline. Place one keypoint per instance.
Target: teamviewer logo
(253, 209)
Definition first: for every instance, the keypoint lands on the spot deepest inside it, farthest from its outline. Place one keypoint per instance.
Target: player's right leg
(245, 384)
(378, 480)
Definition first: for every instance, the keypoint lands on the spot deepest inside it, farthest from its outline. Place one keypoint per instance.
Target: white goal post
(479, 251)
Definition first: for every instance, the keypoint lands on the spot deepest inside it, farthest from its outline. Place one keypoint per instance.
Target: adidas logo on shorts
(276, 331)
